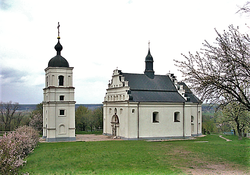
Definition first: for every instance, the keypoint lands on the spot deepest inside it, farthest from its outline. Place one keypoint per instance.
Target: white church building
(149, 106)
(58, 103)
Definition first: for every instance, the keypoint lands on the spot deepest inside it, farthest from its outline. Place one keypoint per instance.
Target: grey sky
(100, 35)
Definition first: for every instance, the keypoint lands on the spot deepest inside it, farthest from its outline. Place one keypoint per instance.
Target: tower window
(47, 81)
(60, 78)
(61, 97)
(192, 118)
(177, 117)
(62, 112)
(155, 117)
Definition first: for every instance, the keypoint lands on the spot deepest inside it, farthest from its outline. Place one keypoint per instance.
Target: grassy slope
(135, 157)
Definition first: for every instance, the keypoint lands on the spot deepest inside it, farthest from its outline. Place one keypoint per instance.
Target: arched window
(192, 118)
(115, 119)
(177, 117)
(155, 117)
(47, 81)
(61, 79)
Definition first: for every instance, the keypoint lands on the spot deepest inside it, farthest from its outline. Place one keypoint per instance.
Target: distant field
(31, 107)
(203, 155)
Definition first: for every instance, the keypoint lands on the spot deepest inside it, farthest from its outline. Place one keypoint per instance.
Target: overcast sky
(100, 35)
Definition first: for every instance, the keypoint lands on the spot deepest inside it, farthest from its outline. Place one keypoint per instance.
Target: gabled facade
(59, 103)
(149, 106)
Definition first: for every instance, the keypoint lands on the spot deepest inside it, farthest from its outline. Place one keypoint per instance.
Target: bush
(37, 122)
(14, 146)
(10, 156)
(29, 138)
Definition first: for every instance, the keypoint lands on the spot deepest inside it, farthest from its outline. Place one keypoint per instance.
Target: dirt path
(93, 137)
(213, 169)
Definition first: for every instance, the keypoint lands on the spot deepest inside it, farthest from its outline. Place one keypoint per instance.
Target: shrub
(14, 146)
(10, 156)
(37, 122)
(28, 138)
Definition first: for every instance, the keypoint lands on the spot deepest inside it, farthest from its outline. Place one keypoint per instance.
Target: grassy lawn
(90, 132)
(137, 157)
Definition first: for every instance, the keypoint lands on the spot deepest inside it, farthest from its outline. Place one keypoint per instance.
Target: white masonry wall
(58, 127)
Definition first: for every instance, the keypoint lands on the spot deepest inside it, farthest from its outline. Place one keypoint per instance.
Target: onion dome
(58, 60)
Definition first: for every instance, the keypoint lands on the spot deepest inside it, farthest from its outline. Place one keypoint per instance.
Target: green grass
(136, 157)
(90, 132)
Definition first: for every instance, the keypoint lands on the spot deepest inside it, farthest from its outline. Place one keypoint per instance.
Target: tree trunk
(238, 128)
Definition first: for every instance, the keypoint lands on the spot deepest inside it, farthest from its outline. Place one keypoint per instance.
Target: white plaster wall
(187, 122)
(132, 112)
(128, 127)
(52, 104)
(54, 72)
(166, 126)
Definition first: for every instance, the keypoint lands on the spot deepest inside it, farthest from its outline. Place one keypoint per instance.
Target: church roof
(58, 60)
(149, 56)
(189, 93)
(158, 89)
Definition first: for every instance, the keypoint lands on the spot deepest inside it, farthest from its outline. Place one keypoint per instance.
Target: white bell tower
(59, 102)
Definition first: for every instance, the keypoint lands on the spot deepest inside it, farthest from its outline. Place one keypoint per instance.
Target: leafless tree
(7, 111)
(245, 8)
(220, 73)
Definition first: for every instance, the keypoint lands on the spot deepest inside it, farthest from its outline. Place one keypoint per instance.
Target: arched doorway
(115, 125)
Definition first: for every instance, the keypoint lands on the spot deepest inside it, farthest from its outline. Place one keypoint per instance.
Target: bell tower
(59, 103)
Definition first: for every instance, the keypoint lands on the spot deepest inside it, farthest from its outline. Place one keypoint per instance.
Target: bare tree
(245, 8)
(221, 73)
(7, 111)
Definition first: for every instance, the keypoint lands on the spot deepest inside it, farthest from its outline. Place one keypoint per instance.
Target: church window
(133, 110)
(115, 119)
(199, 116)
(110, 110)
(115, 111)
(61, 97)
(155, 117)
(47, 81)
(192, 118)
(62, 112)
(60, 78)
(177, 117)
(121, 110)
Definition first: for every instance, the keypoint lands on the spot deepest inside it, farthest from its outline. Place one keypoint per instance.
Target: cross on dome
(58, 28)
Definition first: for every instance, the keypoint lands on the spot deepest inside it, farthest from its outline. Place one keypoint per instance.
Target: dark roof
(189, 93)
(158, 89)
(142, 82)
(156, 96)
(58, 60)
(149, 57)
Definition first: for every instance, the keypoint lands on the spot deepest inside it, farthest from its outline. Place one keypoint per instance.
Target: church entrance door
(115, 125)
